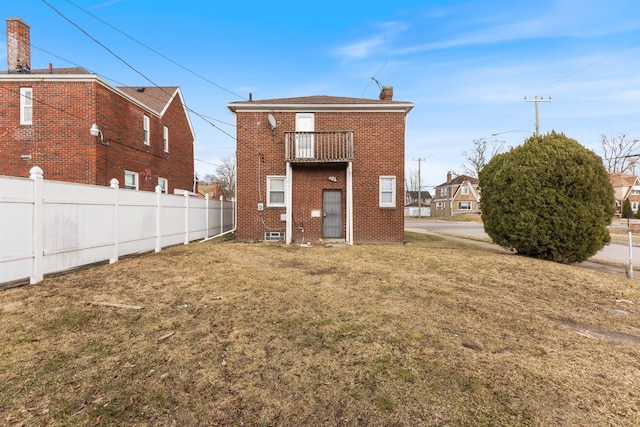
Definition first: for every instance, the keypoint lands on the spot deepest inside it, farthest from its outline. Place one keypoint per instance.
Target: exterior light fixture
(95, 131)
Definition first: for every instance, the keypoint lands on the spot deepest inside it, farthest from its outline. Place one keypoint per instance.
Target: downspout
(350, 203)
(288, 203)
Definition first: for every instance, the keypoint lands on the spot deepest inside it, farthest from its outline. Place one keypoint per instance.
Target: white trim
(284, 189)
(24, 105)
(136, 178)
(163, 188)
(339, 108)
(288, 199)
(349, 213)
(165, 138)
(146, 127)
(391, 204)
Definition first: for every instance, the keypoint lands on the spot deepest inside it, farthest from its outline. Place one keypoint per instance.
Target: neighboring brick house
(321, 168)
(456, 196)
(625, 187)
(143, 135)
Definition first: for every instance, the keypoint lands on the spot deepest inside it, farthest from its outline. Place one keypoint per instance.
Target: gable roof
(156, 98)
(622, 179)
(459, 180)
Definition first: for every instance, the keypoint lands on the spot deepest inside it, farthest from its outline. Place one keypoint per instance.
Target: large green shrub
(549, 198)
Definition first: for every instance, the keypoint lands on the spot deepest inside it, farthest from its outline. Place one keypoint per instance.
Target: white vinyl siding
(26, 106)
(387, 191)
(275, 191)
(145, 128)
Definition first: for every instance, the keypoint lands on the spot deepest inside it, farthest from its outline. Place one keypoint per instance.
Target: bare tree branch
(479, 156)
(618, 153)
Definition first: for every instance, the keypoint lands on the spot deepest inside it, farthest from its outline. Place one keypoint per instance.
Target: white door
(305, 126)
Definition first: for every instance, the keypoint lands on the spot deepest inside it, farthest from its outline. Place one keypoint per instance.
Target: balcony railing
(319, 147)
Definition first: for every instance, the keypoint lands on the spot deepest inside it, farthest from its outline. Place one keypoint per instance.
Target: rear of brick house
(321, 169)
(146, 136)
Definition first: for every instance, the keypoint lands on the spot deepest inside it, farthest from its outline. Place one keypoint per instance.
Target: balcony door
(305, 126)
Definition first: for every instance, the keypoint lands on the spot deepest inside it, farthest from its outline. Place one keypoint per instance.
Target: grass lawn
(431, 333)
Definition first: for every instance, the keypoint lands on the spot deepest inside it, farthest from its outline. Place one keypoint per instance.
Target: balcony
(319, 147)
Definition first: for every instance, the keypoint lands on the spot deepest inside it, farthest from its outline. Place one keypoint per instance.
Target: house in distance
(321, 169)
(79, 128)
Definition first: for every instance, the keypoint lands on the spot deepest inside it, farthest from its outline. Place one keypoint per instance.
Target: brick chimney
(18, 46)
(449, 177)
(386, 94)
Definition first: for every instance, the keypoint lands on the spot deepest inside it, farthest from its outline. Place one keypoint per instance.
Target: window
(439, 205)
(145, 128)
(464, 190)
(634, 207)
(387, 191)
(131, 180)
(165, 139)
(443, 191)
(275, 191)
(163, 183)
(26, 106)
(464, 206)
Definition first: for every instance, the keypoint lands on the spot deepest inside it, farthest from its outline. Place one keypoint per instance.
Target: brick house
(625, 187)
(456, 196)
(79, 128)
(321, 168)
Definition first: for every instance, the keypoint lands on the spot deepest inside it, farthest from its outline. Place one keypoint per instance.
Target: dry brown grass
(433, 332)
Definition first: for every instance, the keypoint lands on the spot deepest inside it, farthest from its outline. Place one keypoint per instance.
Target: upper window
(464, 190)
(163, 183)
(275, 191)
(26, 106)
(387, 191)
(131, 180)
(165, 139)
(443, 191)
(145, 128)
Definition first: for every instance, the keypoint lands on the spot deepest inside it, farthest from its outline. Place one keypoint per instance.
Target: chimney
(18, 46)
(386, 94)
(449, 176)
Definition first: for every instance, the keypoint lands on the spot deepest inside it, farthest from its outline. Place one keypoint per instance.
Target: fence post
(115, 185)
(158, 210)
(186, 217)
(36, 174)
(206, 216)
(221, 215)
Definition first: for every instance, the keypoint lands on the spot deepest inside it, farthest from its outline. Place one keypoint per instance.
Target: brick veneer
(378, 151)
(60, 143)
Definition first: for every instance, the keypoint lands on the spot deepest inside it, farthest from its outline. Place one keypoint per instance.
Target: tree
(226, 177)
(627, 212)
(618, 153)
(549, 198)
(479, 155)
(411, 185)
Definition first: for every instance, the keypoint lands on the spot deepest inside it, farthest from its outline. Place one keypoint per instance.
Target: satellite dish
(272, 122)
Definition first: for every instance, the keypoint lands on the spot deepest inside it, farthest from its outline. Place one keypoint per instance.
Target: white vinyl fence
(51, 226)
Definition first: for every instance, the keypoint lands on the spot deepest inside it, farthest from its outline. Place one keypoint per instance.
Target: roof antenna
(377, 82)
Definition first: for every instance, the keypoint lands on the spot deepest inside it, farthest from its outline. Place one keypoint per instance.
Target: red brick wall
(378, 150)
(60, 143)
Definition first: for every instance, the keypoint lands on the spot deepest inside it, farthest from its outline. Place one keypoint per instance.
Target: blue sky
(467, 65)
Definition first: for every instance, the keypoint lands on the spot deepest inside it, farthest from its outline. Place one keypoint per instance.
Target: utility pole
(419, 160)
(535, 100)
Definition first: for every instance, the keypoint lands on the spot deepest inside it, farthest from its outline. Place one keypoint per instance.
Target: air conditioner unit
(274, 236)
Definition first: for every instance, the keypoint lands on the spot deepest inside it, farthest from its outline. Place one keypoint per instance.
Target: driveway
(614, 255)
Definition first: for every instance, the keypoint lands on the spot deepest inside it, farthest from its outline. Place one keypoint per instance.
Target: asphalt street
(614, 253)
